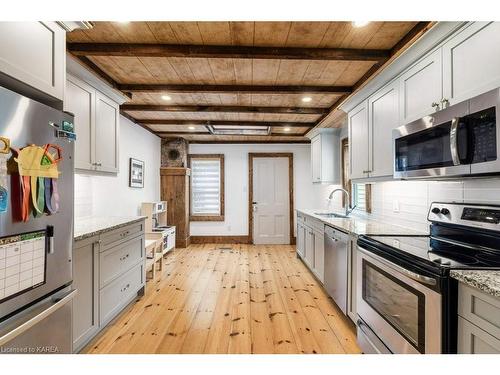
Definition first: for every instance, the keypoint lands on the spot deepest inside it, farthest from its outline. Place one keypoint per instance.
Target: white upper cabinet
(34, 53)
(384, 117)
(359, 142)
(96, 125)
(325, 155)
(107, 133)
(80, 99)
(471, 62)
(316, 158)
(421, 88)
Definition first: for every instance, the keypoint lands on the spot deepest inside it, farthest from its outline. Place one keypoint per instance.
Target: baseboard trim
(220, 239)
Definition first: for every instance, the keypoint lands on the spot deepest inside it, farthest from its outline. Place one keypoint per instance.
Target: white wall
(307, 195)
(109, 194)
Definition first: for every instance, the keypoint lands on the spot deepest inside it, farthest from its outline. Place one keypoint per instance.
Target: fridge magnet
(38, 169)
(4, 155)
(136, 174)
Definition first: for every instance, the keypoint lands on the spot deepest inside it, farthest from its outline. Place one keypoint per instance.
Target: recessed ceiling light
(360, 23)
(307, 99)
(191, 128)
(287, 129)
(166, 97)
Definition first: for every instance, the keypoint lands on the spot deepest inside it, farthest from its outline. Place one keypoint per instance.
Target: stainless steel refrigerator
(36, 228)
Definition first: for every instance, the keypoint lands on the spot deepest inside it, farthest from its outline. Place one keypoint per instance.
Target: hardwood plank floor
(230, 299)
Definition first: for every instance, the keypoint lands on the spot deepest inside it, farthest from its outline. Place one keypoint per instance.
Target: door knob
(445, 102)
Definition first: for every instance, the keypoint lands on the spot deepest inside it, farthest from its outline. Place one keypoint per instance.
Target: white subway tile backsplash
(414, 198)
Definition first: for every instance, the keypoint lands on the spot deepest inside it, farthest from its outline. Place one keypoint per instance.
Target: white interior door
(271, 211)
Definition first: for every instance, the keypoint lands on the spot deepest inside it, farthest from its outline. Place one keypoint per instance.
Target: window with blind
(207, 187)
(361, 196)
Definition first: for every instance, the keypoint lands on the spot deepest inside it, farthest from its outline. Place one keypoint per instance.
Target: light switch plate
(395, 205)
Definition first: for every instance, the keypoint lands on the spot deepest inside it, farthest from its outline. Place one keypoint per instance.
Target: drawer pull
(124, 257)
(125, 288)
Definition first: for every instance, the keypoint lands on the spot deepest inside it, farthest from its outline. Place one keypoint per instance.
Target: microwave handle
(454, 140)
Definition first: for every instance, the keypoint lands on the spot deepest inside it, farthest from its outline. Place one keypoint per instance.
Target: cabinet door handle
(435, 106)
(444, 103)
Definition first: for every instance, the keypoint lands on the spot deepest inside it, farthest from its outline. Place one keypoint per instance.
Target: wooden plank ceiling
(186, 78)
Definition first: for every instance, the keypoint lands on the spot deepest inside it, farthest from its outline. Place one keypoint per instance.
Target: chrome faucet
(348, 208)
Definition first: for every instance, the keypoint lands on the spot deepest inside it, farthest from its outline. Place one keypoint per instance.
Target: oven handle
(454, 140)
(412, 275)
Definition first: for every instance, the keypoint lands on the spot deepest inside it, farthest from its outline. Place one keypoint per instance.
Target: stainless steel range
(406, 300)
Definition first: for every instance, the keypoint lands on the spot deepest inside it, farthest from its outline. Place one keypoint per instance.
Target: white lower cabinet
(319, 254)
(309, 256)
(108, 272)
(86, 301)
(301, 240)
(311, 244)
(478, 321)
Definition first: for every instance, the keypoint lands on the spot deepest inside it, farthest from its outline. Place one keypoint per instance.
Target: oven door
(397, 306)
(432, 146)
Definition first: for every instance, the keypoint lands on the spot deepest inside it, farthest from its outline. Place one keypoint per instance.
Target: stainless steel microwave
(459, 141)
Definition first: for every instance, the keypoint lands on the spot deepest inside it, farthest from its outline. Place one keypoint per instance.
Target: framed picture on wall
(136, 175)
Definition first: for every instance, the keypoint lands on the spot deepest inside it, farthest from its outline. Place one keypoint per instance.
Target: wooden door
(359, 142)
(316, 158)
(80, 100)
(384, 117)
(271, 197)
(86, 281)
(420, 87)
(471, 62)
(106, 134)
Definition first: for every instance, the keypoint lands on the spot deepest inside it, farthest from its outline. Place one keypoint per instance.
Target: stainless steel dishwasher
(336, 273)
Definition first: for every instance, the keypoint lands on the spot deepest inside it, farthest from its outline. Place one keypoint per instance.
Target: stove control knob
(435, 210)
(445, 211)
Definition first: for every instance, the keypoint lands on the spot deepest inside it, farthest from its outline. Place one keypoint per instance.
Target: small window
(361, 197)
(207, 187)
(360, 193)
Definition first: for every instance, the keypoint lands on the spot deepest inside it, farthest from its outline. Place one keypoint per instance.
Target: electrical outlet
(395, 205)
(396, 244)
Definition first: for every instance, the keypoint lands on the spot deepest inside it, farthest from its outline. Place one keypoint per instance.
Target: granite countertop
(487, 281)
(92, 226)
(358, 225)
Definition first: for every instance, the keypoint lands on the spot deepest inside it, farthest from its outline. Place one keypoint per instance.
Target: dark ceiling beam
(167, 123)
(235, 52)
(259, 89)
(290, 139)
(226, 109)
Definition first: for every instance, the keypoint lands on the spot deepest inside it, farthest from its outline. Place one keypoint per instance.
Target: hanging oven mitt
(4, 154)
(50, 184)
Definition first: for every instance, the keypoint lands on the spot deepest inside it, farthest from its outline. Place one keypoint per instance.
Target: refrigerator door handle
(56, 304)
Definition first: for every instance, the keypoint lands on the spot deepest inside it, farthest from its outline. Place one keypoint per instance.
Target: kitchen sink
(331, 215)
